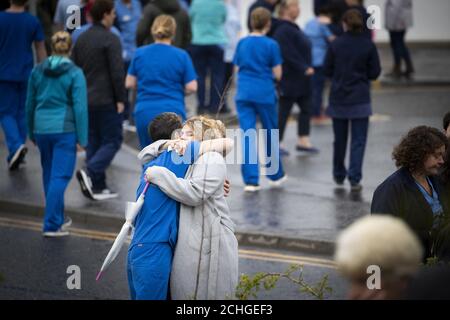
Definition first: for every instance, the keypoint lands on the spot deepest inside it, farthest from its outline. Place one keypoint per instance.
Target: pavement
(430, 61)
(307, 214)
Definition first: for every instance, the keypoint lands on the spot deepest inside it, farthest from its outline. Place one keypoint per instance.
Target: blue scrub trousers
(247, 113)
(359, 130)
(58, 158)
(318, 83)
(12, 114)
(144, 115)
(205, 58)
(149, 266)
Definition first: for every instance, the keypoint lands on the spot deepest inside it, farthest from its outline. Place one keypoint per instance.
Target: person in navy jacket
(352, 61)
(295, 85)
(414, 193)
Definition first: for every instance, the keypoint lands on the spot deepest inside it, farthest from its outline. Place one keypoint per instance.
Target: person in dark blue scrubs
(352, 62)
(162, 75)
(156, 227)
(18, 31)
(258, 59)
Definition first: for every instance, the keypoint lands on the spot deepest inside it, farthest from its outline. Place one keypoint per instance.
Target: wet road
(33, 267)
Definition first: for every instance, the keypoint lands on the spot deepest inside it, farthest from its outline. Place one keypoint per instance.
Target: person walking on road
(99, 54)
(207, 50)
(351, 62)
(258, 61)
(295, 85)
(162, 74)
(399, 18)
(57, 120)
(19, 31)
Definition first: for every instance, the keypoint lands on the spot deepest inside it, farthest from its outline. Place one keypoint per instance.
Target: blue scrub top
(256, 56)
(18, 31)
(318, 34)
(158, 219)
(433, 200)
(128, 17)
(162, 71)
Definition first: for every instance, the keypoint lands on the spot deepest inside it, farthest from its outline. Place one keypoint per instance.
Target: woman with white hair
(382, 243)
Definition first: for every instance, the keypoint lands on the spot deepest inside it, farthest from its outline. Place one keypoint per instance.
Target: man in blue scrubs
(156, 226)
(18, 31)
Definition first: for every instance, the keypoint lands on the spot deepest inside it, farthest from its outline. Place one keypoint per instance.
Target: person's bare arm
(191, 87)
(277, 72)
(130, 82)
(41, 52)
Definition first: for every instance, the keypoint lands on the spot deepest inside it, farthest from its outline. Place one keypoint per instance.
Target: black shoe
(339, 182)
(17, 158)
(85, 184)
(310, 150)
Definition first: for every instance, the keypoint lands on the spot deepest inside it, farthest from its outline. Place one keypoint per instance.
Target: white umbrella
(131, 212)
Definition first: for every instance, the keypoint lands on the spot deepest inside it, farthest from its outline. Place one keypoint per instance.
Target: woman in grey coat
(205, 263)
(399, 17)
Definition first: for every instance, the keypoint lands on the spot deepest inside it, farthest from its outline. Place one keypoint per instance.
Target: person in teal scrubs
(162, 75)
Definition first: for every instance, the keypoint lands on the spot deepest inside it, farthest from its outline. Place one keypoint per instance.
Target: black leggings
(285, 107)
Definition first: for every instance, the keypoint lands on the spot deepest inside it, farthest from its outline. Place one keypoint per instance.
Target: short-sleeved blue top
(162, 71)
(318, 34)
(256, 56)
(158, 219)
(18, 31)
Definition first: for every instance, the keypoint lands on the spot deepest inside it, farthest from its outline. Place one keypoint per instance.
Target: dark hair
(418, 144)
(99, 8)
(445, 173)
(446, 120)
(325, 10)
(162, 127)
(354, 21)
(20, 3)
(260, 18)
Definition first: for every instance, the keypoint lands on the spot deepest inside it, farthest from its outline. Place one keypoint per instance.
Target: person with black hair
(446, 124)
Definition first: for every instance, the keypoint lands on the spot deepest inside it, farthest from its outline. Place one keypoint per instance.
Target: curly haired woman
(413, 193)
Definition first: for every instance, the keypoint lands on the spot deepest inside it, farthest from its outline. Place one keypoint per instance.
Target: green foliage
(250, 286)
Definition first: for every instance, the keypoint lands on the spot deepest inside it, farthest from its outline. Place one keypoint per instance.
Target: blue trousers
(359, 130)
(58, 157)
(399, 48)
(145, 115)
(105, 138)
(268, 115)
(148, 269)
(318, 82)
(12, 114)
(209, 57)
